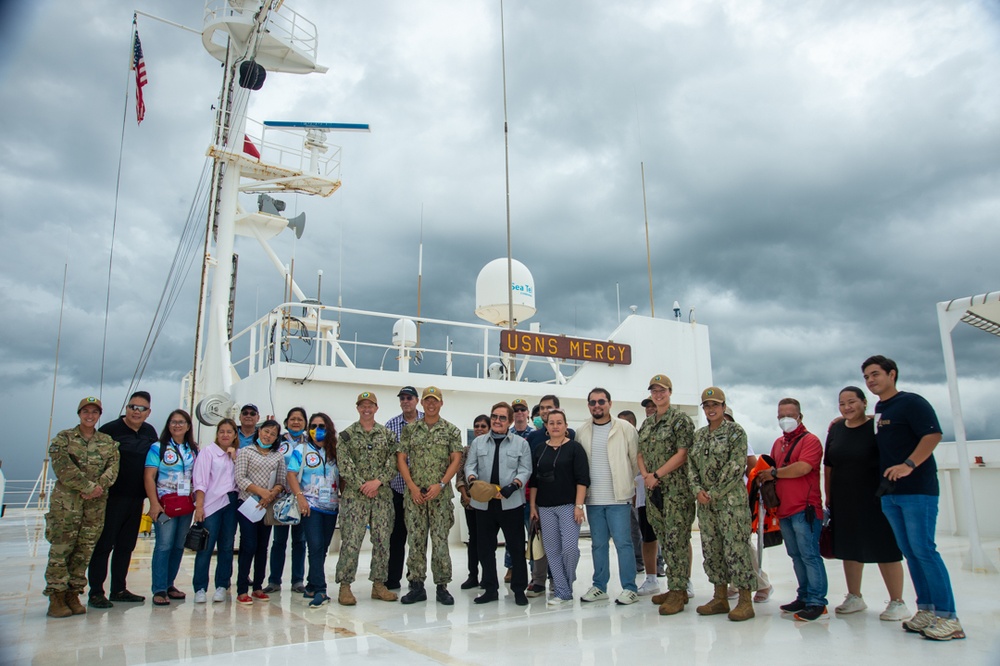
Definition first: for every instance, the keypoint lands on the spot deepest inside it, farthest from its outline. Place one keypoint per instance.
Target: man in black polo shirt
(125, 497)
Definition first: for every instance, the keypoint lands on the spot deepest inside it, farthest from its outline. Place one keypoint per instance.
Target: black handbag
(197, 537)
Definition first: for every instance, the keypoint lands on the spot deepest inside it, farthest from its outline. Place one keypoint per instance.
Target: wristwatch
(656, 476)
(774, 473)
(580, 507)
(909, 463)
(442, 485)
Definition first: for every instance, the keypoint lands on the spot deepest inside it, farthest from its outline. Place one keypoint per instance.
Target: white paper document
(250, 509)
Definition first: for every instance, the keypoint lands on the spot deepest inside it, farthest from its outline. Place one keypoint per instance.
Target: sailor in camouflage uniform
(664, 440)
(716, 464)
(85, 463)
(434, 448)
(367, 457)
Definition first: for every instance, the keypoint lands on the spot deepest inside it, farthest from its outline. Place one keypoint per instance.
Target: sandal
(174, 593)
(161, 599)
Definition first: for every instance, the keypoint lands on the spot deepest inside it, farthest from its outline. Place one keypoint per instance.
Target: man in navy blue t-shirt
(907, 431)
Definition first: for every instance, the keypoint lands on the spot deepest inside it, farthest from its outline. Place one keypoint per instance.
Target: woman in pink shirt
(215, 502)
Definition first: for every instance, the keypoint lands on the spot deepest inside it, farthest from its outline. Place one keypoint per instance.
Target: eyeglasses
(498, 417)
(137, 408)
(403, 398)
(599, 401)
(178, 423)
(481, 426)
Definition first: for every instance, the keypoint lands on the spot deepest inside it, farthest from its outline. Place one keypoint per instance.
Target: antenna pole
(420, 270)
(511, 324)
(649, 261)
(52, 408)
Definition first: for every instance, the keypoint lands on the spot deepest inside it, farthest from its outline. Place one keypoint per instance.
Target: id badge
(325, 495)
(184, 487)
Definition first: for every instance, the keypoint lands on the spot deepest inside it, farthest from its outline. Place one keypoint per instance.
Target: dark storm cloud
(817, 177)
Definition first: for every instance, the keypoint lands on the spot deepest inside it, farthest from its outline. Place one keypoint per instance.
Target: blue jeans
(168, 551)
(612, 521)
(278, 547)
(802, 543)
(318, 529)
(221, 527)
(913, 519)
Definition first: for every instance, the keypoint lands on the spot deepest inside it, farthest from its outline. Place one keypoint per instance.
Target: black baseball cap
(407, 390)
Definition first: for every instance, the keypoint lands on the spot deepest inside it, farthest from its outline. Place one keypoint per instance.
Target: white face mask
(787, 424)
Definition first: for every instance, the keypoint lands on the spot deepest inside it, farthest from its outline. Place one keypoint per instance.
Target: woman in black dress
(861, 532)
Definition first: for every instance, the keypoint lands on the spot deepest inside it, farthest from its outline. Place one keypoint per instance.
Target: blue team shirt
(320, 478)
(246, 440)
(176, 465)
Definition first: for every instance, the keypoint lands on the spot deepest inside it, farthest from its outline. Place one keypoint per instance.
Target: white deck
(285, 631)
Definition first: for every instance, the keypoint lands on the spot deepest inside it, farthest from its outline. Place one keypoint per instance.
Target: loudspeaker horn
(298, 224)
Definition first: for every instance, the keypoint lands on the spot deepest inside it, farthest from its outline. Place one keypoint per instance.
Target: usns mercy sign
(559, 346)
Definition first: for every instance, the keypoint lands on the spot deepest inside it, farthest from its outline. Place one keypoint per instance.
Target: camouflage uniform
(429, 450)
(364, 456)
(659, 439)
(716, 464)
(73, 524)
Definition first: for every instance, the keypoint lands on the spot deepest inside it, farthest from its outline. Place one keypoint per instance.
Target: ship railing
(287, 148)
(286, 24)
(331, 336)
(24, 493)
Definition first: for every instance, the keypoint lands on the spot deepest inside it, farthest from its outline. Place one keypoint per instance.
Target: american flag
(139, 65)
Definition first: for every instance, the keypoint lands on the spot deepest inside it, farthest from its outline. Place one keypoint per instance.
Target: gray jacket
(515, 463)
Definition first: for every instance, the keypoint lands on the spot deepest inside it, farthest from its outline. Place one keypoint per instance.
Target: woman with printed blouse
(169, 467)
(260, 474)
(295, 434)
(317, 494)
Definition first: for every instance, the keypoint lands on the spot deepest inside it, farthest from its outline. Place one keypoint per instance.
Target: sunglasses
(599, 401)
(137, 408)
(498, 417)
(248, 412)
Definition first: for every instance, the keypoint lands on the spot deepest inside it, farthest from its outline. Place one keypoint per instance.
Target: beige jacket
(623, 453)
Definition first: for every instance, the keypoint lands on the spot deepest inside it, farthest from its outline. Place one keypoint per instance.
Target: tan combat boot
(73, 602)
(744, 609)
(718, 604)
(346, 597)
(658, 599)
(380, 592)
(57, 605)
(674, 602)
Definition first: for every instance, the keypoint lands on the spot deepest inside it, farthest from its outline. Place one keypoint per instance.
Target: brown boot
(57, 605)
(380, 592)
(674, 602)
(744, 609)
(346, 597)
(73, 602)
(718, 604)
(658, 599)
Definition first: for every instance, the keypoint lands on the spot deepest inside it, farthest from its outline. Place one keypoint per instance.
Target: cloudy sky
(818, 176)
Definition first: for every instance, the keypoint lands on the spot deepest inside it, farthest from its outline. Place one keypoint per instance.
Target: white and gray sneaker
(558, 601)
(649, 587)
(627, 598)
(853, 603)
(200, 597)
(895, 611)
(220, 595)
(594, 594)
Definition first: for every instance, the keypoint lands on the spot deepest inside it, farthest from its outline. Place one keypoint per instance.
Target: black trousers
(470, 520)
(511, 522)
(397, 542)
(254, 539)
(117, 540)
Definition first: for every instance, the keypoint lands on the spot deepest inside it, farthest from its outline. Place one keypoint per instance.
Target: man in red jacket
(797, 457)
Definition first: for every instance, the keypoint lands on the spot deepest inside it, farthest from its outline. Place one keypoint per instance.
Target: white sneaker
(594, 594)
(220, 595)
(556, 601)
(649, 587)
(200, 597)
(627, 598)
(690, 590)
(895, 611)
(853, 603)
